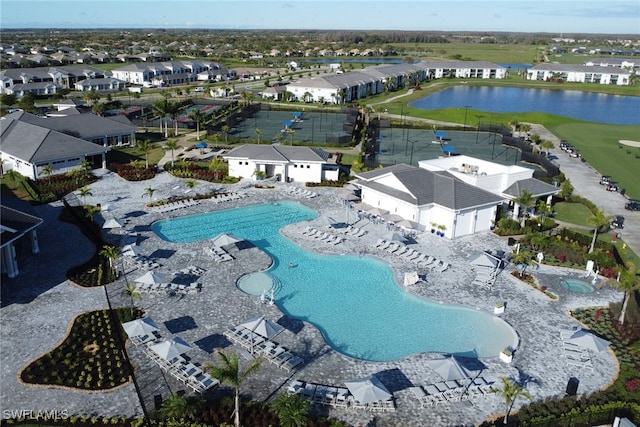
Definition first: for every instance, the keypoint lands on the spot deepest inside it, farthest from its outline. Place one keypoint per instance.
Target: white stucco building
(291, 163)
(580, 74)
(18, 236)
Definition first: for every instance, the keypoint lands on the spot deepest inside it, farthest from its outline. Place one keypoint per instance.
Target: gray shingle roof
(86, 126)
(39, 145)
(425, 187)
(279, 153)
(534, 186)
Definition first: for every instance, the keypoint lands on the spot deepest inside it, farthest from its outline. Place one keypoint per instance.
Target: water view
(593, 107)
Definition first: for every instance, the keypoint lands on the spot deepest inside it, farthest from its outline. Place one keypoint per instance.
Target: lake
(593, 107)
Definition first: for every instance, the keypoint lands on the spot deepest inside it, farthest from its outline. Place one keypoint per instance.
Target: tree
(172, 145)
(8, 99)
(149, 192)
(84, 192)
(225, 130)
(98, 109)
(28, 103)
(258, 134)
(161, 108)
(48, 170)
(131, 291)
(629, 284)
(111, 253)
(566, 189)
(525, 200)
(509, 391)
(523, 258)
(291, 132)
(198, 117)
(598, 220)
(292, 410)
(176, 407)
(191, 183)
(547, 145)
(91, 96)
(144, 145)
(231, 374)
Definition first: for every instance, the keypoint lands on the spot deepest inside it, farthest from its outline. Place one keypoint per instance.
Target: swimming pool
(353, 300)
(577, 286)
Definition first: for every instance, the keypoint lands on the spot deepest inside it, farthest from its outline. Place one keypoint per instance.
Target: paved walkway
(37, 307)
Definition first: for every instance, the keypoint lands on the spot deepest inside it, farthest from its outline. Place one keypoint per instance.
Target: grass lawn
(573, 213)
(127, 154)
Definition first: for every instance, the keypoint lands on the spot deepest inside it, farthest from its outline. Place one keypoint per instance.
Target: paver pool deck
(38, 305)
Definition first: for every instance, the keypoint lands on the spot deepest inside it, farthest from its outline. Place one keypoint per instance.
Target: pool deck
(38, 305)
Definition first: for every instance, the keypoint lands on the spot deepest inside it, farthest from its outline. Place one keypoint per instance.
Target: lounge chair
(385, 245)
(402, 250)
(443, 267)
(295, 387)
(419, 393)
(292, 363)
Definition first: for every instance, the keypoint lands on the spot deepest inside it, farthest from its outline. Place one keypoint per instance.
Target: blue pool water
(353, 300)
(577, 286)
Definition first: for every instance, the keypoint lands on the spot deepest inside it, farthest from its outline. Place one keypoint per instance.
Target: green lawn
(573, 213)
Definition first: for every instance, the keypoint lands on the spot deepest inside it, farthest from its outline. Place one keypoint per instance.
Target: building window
(308, 166)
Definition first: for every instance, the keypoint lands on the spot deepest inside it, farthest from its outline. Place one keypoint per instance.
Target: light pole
(478, 116)
(466, 107)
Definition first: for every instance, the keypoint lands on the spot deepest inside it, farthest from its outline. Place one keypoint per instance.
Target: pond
(593, 107)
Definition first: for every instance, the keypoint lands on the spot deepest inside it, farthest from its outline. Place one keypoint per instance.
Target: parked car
(617, 221)
(613, 186)
(605, 179)
(632, 205)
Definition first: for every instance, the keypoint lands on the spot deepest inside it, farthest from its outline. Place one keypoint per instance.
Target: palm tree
(598, 220)
(258, 134)
(523, 258)
(198, 117)
(629, 284)
(84, 192)
(161, 108)
(291, 132)
(149, 192)
(525, 200)
(111, 253)
(131, 291)
(231, 374)
(509, 391)
(191, 183)
(292, 410)
(172, 145)
(176, 406)
(225, 130)
(48, 170)
(144, 145)
(547, 145)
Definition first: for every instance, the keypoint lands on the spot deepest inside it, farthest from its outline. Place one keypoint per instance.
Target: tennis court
(297, 126)
(403, 145)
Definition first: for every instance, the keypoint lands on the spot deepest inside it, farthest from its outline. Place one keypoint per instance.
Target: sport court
(315, 127)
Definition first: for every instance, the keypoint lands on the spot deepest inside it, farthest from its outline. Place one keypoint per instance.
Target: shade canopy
(171, 348)
(484, 260)
(411, 278)
(202, 145)
(368, 389)
(394, 236)
(406, 223)
(151, 278)
(113, 223)
(140, 327)
(448, 368)
(392, 217)
(587, 340)
(131, 250)
(377, 211)
(329, 221)
(225, 240)
(347, 195)
(263, 327)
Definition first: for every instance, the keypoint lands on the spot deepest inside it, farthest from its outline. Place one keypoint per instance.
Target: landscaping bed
(89, 357)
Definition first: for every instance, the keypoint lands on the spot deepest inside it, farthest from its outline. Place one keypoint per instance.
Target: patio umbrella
(394, 236)
(484, 260)
(263, 327)
(347, 195)
(171, 348)
(391, 217)
(377, 211)
(140, 327)
(329, 221)
(131, 250)
(586, 339)
(448, 368)
(225, 240)
(411, 278)
(151, 278)
(406, 223)
(113, 223)
(368, 389)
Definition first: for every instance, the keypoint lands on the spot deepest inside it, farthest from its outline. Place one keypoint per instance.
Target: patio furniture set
(452, 391)
(322, 236)
(263, 347)
(172, 206)
(412, 255)
(296, 191)
(338, 397)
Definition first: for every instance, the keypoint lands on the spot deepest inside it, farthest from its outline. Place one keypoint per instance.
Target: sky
(559, 17)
